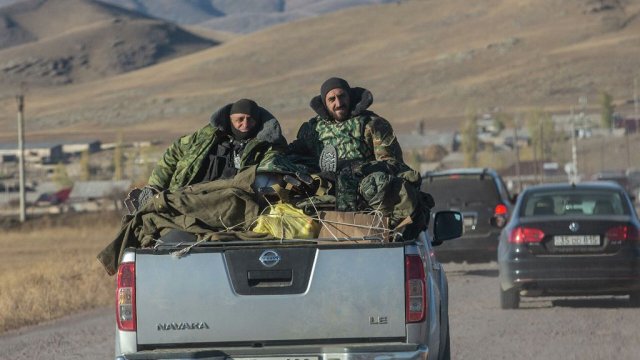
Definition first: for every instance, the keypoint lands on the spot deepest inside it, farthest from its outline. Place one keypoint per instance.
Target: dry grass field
(423, 59)
(49, 269)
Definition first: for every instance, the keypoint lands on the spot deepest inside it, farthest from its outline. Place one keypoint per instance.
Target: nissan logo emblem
(269, 258)
(574, 227)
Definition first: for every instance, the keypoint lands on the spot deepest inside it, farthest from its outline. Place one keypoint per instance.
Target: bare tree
(118, 159)
(470, 140)
(543, 134)
(85, 167)
(60, 176)
(606, 110)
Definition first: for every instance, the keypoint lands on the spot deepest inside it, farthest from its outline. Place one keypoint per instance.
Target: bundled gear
(284, 221)
(195, 209)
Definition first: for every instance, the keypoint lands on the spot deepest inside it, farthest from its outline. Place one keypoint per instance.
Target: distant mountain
(53, 42)
(235, 16)
(426, 61)
(238, 16)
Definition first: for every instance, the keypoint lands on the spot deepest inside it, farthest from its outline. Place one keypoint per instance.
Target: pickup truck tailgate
(294, 293)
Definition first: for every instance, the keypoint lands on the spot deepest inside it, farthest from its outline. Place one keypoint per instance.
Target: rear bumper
(345, 352)
(470, 248)
(571, 275)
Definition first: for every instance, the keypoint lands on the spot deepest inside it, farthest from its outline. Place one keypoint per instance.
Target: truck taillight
(415, 289)
(524, 235)
(500, 209)
(126, 297)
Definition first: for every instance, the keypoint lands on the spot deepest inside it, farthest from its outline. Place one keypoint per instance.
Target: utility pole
(574, 148)
(635, 111)
(20, 101)
(635, 100)
(582, 100)
(542, 152)
(517, 147)
(626, 128)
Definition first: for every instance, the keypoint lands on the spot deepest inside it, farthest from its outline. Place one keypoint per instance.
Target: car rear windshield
(457, 190)
(572, 202)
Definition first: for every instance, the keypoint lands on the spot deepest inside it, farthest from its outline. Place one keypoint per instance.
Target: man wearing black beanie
(338, 100)
(357, 149)
(343, 122)
(238, 134)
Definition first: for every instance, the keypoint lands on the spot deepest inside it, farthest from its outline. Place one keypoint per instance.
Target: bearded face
(338, 103)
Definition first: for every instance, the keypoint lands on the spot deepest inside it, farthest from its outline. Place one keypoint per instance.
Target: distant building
(46, 153)
(629, 124)
(99, 189)
(77, 147)
(414, 141)
(7, 158)
(531, 173)
(98, 195)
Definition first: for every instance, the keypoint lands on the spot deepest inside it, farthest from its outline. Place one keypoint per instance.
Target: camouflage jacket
(363, 137)
(182, 161)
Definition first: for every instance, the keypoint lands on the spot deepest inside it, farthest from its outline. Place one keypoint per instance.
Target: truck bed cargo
(285, 299)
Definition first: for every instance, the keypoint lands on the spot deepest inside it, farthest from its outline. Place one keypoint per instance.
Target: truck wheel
(509, 299)
(446, 352)
(634, 299)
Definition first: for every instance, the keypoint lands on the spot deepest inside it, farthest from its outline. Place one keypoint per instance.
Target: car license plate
(576, 240)
(469, 221)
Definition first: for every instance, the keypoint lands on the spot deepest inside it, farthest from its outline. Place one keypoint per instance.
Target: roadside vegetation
(48, 267)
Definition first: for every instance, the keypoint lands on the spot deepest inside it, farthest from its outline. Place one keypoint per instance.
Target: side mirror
(446, 225)
(514, 197)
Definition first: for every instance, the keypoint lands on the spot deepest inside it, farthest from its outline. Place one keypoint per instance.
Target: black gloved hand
(145, 195)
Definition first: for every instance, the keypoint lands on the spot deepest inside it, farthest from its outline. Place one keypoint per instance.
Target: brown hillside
(422, 59)
(78, 40)
(46, 18)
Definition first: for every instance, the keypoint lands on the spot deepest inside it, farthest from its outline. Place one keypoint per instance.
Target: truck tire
(446, 352)
(510, 299)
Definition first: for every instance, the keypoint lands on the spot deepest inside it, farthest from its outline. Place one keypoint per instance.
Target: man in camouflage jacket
(219, 149)
(344, 121)
(369, 169)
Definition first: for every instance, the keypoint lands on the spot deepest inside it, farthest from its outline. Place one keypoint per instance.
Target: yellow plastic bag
(284, 221)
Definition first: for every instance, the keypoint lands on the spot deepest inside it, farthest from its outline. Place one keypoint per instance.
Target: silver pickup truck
(286, 299)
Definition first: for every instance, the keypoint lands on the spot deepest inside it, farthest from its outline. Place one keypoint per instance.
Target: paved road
(89, 335)
(570, 328)
(543, 328)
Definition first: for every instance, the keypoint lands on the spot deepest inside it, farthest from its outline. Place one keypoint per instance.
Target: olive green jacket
(182, 161)
(363, 137)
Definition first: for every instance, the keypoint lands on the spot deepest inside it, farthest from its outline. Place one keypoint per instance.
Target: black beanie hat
(333, 83)
(245, 106)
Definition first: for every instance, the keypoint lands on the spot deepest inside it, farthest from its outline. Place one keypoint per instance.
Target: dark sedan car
(570, 239)
(482, 198)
